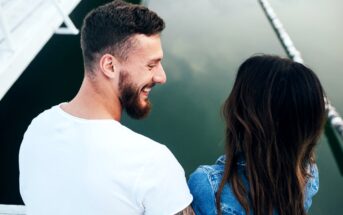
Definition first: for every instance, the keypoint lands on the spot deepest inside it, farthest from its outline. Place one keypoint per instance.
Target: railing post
(70, 27)
(6, 30)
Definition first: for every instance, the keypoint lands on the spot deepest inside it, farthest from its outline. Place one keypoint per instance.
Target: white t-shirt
(73, 166)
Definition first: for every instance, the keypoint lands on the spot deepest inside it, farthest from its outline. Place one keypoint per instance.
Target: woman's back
(205, 180)
(274, 117)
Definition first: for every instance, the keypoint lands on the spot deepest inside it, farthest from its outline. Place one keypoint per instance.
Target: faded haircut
(110, 28)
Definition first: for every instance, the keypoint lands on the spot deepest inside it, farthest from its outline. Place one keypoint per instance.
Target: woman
(274, 117)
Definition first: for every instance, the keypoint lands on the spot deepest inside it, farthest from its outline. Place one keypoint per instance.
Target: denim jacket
(205, 180)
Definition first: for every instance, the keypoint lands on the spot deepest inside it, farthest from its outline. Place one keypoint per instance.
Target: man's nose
(160, 76)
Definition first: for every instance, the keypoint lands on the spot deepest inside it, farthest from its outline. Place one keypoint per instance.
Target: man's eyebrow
(155, 60)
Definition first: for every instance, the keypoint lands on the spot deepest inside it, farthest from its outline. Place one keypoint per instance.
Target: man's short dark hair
(109, 28)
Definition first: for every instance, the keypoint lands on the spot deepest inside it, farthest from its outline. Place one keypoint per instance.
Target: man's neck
(92, 102)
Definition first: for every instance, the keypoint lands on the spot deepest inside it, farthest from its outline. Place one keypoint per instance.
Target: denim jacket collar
(221, 160)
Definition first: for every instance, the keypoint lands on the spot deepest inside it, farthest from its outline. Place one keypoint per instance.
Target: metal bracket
(70, 27)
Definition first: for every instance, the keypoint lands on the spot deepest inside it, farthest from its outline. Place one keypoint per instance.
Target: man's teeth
(146, 90)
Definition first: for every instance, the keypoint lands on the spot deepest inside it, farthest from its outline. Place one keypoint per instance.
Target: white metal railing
(333, 116)
(5, 2)
(12, 210)
(25, 27)
(145, 2)
(15, 20)
(4, 27)
(70, 27)
(30, 8)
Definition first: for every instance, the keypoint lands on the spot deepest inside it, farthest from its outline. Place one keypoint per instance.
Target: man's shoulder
(154, 154)
(141, 141)
(42, 118)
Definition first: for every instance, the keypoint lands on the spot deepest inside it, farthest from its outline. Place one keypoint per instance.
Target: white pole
(333, 116)
(6, 30)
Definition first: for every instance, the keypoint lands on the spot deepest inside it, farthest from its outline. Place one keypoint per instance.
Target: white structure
(25, 27)
(12, 210)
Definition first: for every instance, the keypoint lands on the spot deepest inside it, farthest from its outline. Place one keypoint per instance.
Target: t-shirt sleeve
(203, 195)
(162, 187)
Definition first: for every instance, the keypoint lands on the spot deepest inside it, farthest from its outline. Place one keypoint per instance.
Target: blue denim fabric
(205, 180)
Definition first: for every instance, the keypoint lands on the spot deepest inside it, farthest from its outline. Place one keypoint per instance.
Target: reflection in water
(204, 42)
(212, 38)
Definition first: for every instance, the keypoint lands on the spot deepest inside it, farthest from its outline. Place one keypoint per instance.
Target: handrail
(20, 21)
(145, 2)
(12, 209)
(6, 30)
(69, 29)
(333, 116)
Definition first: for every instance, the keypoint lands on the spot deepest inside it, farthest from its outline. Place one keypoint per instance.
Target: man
(76, 158)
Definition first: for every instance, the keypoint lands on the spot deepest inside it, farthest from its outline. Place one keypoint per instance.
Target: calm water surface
(204, 43)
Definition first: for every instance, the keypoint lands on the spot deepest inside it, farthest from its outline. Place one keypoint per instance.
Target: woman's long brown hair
(274, 118)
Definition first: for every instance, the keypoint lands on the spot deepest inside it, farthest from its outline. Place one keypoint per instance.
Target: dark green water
(204, 43)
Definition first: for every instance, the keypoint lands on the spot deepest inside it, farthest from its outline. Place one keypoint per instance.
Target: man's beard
(130, 98)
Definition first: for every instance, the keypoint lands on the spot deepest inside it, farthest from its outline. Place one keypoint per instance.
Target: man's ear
(109, 65)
